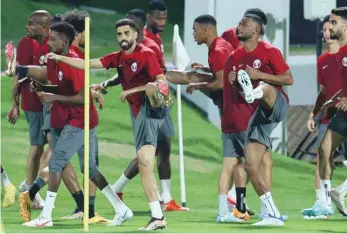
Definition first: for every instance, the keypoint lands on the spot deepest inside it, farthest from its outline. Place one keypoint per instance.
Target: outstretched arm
(77, 99)
(75, 62)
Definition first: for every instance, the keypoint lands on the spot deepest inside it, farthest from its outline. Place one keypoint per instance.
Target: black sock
(33, 190)
(91, 206)
(79, 201)
(2, 170)
(241, 199)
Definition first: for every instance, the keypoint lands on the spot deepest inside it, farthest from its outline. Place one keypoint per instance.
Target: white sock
(258, 92)
(156, 210)
(270, 204)
(327, 190)
(232, 193)
(166, 190)
(117, 204)
(120, 184)
(263, 209)
(222, 205)
(5, 181)
(321, 184)
(27, 186)
(159, 196)
(320, 194)
(49, 205)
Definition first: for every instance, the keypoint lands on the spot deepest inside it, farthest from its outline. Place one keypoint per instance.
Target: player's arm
(285, 78)
(16, 91)
(217, 84)
(319, 102)
(114, 81)
(75, 62)
(77, 99)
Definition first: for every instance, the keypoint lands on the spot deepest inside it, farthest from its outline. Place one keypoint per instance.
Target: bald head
(43, 17)
(39, 23)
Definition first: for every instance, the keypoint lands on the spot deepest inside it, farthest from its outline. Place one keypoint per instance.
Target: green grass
(292, 185)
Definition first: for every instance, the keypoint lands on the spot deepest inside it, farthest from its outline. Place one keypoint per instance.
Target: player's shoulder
(323, 57)
(144, 49)
(230, 31)
(150, 43)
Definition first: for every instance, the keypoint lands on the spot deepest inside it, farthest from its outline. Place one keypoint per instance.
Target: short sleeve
(77, 77)
(152, 64)
(159, 55)
(110, 60)
(278, 64)
(319, 73)
(218, 59)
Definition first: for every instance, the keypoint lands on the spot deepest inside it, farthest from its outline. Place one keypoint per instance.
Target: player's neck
(75, 43)
(140, 36)
(66, 51)
(42, 38)
(149, 29)
(132, 48)
(333, 47)
(210, 40)
(343, 40)
(250, 45)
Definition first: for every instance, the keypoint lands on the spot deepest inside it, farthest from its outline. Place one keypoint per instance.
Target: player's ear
(136, 35)
(148, 17)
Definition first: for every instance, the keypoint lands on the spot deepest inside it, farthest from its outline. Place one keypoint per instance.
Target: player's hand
(52, 56)
(100, 99)
(191, 88)
(35, 86)
(232, 75)
(123, 95)
(46, 97)
(253, 73)
(196, 65)
(311, 125)
(342, 103)
(50, 107)
(13, 115)
(97, 87)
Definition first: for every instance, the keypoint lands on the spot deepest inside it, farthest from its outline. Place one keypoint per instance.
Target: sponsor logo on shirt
(257, 64)
(60, 75)
(344, 61)
(134, 67)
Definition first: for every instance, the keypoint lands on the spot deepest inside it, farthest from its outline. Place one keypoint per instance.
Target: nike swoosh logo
(42, 224)
(240, 65)
(325, 66)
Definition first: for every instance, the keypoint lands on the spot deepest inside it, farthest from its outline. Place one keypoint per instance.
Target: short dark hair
(158, 5)
(257, 13)
(340, 11)
(326, 19)
(57, 18)
(66, 29)
(206, 19)
(76, 18)
(138, 13)
(124, 22)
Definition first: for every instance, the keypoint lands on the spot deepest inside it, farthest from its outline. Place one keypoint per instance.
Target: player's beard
(126, 45)
(335, 36)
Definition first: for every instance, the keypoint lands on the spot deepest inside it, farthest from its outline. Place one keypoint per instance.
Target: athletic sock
(117, 204)
(156, 210)
(166, 190)
(270, 204)
(91, 206)
(241, 199)
(79, 199)
(327, 190)
(320, 195)
(5, 181)
(120, 184)
(36, 187)
(258, 92)
(222, 205)
(49, 204)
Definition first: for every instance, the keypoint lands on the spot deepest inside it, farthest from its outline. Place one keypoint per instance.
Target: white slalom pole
(181, 61)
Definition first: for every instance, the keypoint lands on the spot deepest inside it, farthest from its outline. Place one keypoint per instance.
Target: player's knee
(58, 161)
(323, 152)
(150, 89)
(143, 160)
(93, 171)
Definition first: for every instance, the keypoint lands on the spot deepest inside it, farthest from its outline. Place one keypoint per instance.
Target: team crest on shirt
(344, 61)
(134, 67)
(42, 60)
(60, 75)
(257, 64)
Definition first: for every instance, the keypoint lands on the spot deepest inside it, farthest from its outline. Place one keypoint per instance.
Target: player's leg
(9, 190)
(70, 140)
(146, 131)
(122, 212)
(231, 152)
(272, 109)
(266, 171)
